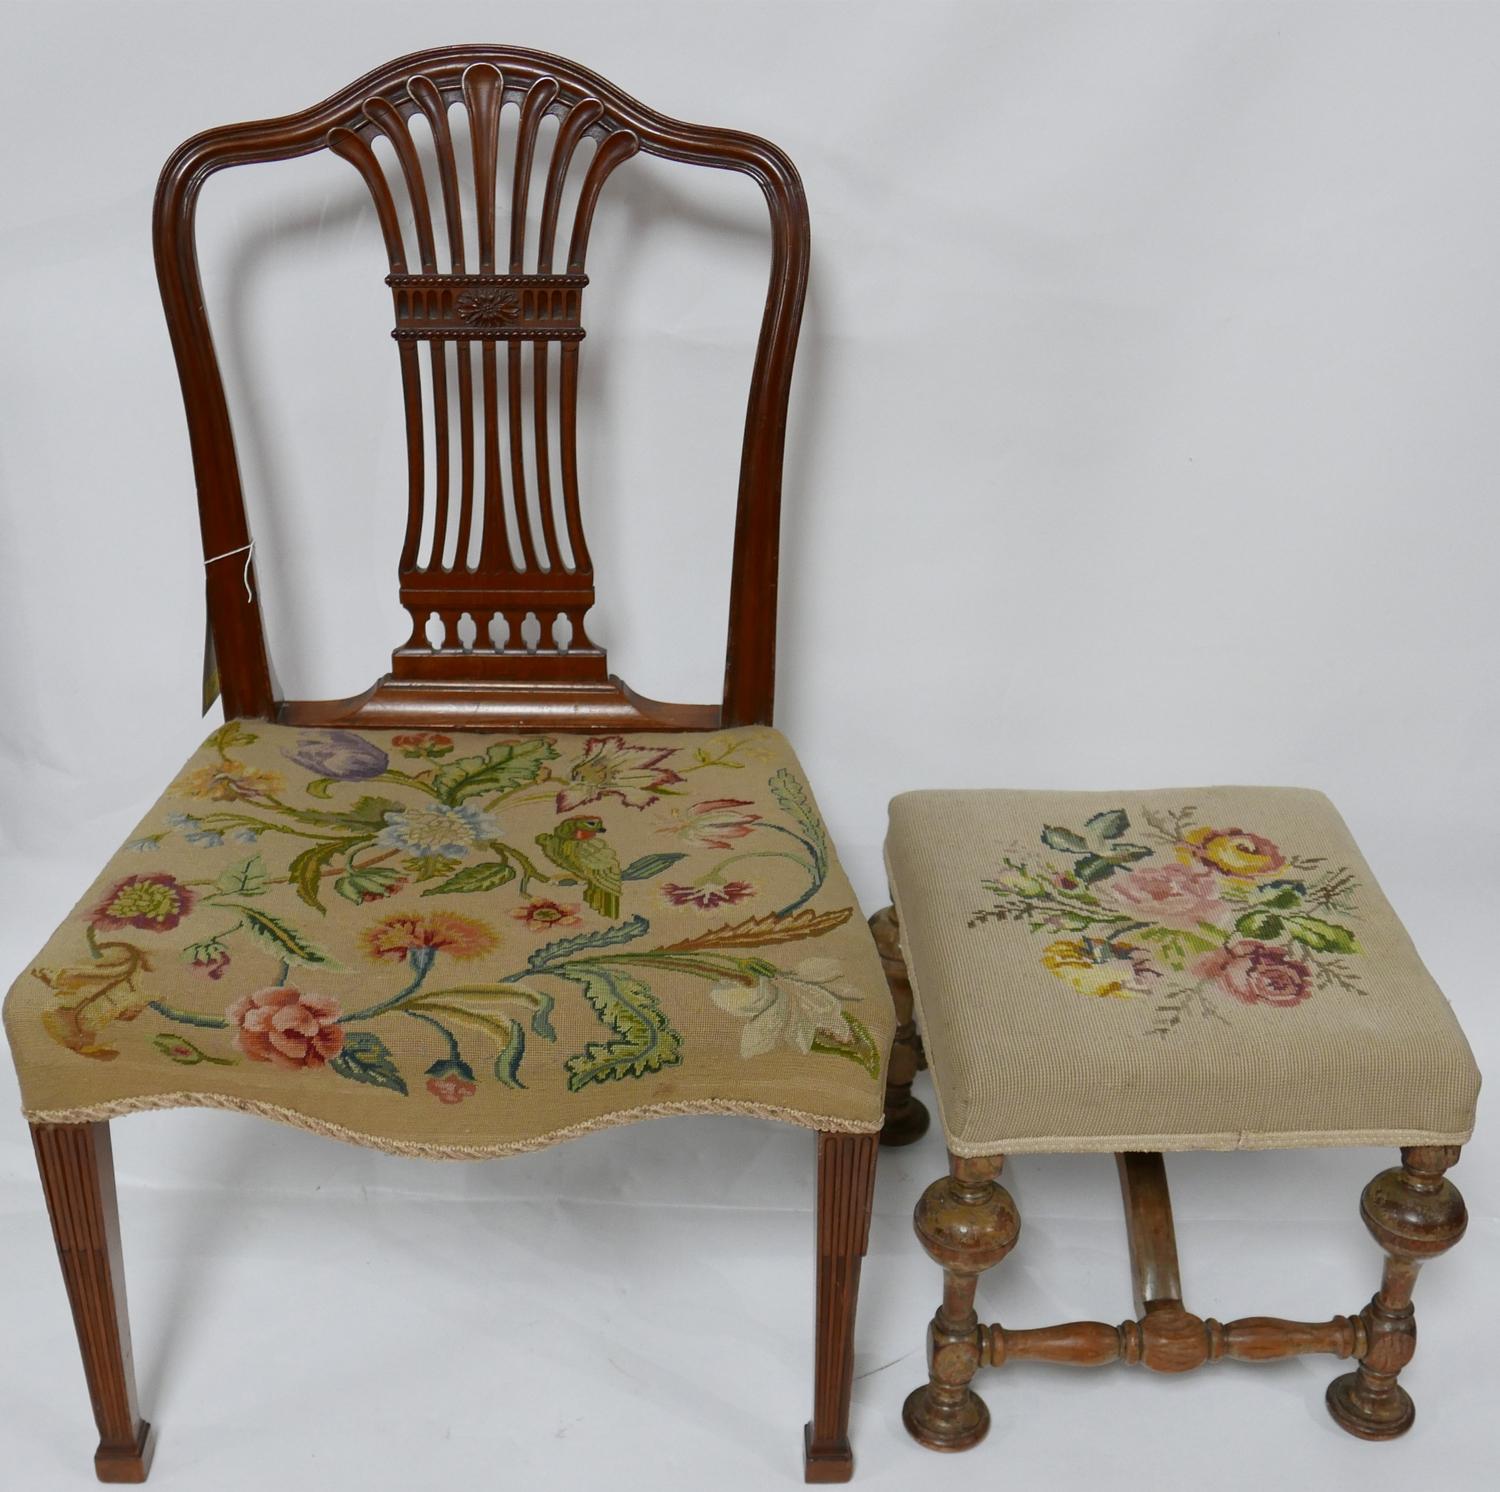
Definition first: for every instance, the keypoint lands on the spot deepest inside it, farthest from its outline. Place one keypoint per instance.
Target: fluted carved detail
(906, 1117)
(1414, 1213)
(846, 1190)
(78, 1178)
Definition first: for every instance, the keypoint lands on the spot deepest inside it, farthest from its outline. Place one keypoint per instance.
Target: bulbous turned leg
(967, 1223)
(906, 1117)
(1414, 1213)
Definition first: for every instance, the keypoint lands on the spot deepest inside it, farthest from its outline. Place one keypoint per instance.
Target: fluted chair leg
(78, 1177)
(846, 1189)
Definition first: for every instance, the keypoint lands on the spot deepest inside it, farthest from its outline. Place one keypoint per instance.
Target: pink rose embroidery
(285, 1026)
(1178, 895)
(1257, 974)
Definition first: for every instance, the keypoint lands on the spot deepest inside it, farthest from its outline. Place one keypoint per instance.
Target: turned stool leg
(78, 1177)
(846, 1189)
(1414, 1213)
(906, 1118)
(967, 1223)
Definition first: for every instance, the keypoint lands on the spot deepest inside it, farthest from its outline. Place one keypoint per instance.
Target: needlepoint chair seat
(499, 898)
(1206, 969)
(468, 944)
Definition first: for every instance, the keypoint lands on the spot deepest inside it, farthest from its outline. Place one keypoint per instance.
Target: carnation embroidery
(1202, 920)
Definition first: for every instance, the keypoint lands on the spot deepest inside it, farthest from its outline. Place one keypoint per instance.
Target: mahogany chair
(503, 810)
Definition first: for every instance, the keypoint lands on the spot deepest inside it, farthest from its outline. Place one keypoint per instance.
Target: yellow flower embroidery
(1069, 959)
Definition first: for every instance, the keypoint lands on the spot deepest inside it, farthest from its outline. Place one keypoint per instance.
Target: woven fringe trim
(425, 1150)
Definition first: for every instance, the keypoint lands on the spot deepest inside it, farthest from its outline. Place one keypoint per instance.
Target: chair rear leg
(846, 1188)
(78, 1177)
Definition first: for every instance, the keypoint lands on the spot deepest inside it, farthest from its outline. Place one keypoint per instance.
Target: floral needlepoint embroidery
(228, 781)
(708, 896)
(401, 936)
(715, 824)
(543, 916)
(610, 767)
(1231, 852)
(155, 903)
(287, 1027)
(1257, 974)
(438, 829)
(423, 744)
(785, 1006)
(1198, 915)
(283, 842)
(341, 755)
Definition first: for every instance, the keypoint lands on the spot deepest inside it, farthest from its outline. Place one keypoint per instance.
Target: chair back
(488, 328)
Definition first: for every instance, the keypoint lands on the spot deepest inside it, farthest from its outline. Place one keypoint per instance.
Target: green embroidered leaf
(648, 866)
(367, 1059)
(1320, 936)
(508, 1062)
(282, 939)
(1176, 944)
(1284, 895)
(306, 871)
(861, 1049)
(368, 883)
(185, 1052)
(230, 735)
(1064, 841)
(1110, 824)
(644, 1039)
(1093, 868)
(794, 798)
(505, 765)
(482, 877)
(366, 817)
(608, 937)
(426, 867)
(1258, 924)
(248, 878)
(1123, 854)
(321, 787)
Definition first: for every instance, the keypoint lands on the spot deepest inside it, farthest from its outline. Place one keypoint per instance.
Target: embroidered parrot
(574, 846)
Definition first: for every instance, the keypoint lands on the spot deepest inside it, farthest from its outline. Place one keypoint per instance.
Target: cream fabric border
(118, 1108)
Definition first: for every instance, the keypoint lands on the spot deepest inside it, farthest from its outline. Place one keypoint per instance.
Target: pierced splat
(488, 304)
(521, 571)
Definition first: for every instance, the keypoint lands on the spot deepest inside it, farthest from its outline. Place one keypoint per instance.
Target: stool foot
(1414, 1213)
(1363, 1405)
(944, 1418)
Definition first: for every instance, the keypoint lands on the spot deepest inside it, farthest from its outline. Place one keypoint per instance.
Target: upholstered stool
(1207, 969)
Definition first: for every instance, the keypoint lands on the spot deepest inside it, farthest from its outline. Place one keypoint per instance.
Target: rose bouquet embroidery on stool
(1199, 920)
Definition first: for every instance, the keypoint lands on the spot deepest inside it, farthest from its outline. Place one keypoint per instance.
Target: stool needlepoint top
(1192, 969)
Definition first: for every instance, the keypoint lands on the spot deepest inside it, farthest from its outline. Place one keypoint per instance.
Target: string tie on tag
(248, 550)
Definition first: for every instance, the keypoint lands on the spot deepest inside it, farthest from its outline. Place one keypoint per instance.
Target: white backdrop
(1142, 435)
